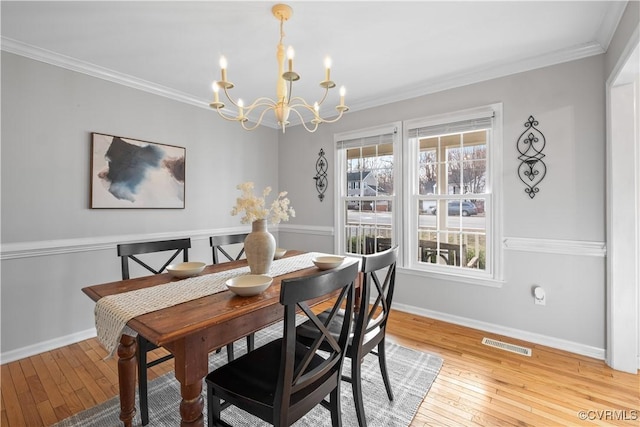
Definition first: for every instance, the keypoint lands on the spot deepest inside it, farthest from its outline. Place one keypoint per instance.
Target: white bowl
(186, 269)
(327, 262)
(279, 253)
(249, 284)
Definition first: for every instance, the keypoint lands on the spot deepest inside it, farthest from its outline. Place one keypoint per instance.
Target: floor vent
(506, 346)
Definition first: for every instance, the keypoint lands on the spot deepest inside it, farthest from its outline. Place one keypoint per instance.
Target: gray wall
(568, 215)
(52, 243)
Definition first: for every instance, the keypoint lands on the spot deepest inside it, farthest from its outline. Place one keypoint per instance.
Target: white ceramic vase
(259, 247)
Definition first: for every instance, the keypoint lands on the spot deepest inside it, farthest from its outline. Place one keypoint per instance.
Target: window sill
(466, 279)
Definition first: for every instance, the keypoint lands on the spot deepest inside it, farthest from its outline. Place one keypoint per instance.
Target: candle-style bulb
(240, 110)
(215, 87)
(290, 55)
(223, 69)
(327, 66)
(343, 91)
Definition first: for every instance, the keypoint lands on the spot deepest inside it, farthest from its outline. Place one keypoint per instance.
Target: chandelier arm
(289, 91)
(315, 122)
(317, 119)
(229, 118)
(258, 122)
(303, 102)
(231, 100)
(326, 92)
(303, 105)
(260, 102)
(334, 119)
(242, 122)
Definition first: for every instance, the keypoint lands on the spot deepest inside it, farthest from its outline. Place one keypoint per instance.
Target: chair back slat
(299, 371)
(376, 313)
(217, 244)
(128, 251)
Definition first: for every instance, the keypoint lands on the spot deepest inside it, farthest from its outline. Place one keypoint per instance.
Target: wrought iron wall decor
(321, 174)
(532, 169)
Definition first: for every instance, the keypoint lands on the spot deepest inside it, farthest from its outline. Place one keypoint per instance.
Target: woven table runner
(114, 311)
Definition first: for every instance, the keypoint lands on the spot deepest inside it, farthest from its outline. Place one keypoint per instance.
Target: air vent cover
(506, 346)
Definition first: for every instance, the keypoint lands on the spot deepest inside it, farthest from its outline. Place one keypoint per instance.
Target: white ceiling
(381, 51)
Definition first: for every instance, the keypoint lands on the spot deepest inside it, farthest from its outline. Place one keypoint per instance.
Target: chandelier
(284, 103)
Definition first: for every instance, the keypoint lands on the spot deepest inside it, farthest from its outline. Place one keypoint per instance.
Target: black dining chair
(283, 380)
(133, 252)
(220, 244)
(369, 322)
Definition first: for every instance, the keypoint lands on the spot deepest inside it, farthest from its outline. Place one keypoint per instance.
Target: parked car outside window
(455, 207)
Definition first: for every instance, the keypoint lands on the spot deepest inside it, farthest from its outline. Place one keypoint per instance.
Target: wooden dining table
(190, 331)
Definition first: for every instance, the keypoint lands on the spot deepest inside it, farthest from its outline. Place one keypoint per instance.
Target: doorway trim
(622, 205)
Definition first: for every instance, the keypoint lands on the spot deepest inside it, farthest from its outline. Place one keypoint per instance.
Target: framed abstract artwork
(129, 173)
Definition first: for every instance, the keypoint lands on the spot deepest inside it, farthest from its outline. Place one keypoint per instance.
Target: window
(441, 204)
(366, 164)
(451, 203)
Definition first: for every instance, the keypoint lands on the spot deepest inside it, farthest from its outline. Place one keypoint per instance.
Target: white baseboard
(41, 347)
(570, 346)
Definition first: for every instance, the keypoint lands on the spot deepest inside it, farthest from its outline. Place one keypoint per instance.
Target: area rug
(411, 373)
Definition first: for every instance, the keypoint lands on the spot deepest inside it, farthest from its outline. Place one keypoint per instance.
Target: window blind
(386, 137)
(451, 127)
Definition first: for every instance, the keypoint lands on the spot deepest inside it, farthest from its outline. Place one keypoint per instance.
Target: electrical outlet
(539, 296)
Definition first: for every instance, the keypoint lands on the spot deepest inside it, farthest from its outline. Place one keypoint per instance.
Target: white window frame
(341, 184)
(493, 273)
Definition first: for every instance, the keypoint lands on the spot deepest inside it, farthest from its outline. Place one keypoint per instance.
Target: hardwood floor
(477, 385)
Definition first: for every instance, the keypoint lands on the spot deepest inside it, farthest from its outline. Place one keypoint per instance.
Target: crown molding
(72, 64)
(488, 72)
(477, 75)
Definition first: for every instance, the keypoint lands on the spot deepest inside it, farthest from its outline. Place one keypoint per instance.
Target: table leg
(192, 405)
(191, 366)
(127, 378)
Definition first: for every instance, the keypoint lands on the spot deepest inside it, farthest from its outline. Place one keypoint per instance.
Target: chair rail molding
(551, 246)
(307, 229)
(82, 244)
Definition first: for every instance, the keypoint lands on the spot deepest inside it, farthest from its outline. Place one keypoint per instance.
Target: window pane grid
(368, 226)
(450, 195)
(369, 194)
